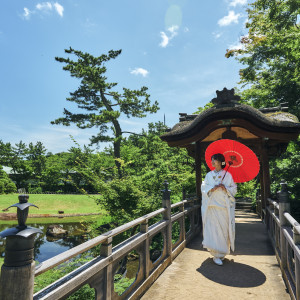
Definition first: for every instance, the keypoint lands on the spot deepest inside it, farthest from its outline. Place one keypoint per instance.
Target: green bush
(2, 189)
(10, 188)
(35, 190)
(6, 184)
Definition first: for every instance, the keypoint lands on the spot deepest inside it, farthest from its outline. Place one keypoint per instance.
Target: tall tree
(101, 104)
(271, 75)
(270, 53)
(36, 157)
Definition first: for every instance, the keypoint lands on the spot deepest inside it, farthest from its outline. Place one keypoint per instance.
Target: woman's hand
(219, 186)
(222, 186)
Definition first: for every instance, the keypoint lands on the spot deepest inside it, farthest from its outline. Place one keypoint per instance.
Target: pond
(46, 246)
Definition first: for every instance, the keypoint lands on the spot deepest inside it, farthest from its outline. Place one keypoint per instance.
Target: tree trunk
(118, 135)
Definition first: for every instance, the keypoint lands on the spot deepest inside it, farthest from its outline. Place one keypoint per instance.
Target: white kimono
(218, 213)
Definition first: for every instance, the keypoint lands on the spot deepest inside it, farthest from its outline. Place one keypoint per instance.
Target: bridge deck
(251, 272)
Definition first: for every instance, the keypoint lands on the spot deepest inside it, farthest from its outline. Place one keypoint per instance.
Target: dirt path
(252, 272)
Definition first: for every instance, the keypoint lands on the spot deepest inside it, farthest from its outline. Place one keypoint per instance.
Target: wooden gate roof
(229, 118)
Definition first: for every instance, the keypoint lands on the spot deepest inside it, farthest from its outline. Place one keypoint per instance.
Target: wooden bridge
(264, 265)
(251, 272)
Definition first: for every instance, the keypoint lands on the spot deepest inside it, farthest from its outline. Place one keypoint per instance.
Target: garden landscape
(113, 173)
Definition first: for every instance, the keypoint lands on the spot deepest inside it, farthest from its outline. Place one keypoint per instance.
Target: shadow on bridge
(250, 272)
(232, 274)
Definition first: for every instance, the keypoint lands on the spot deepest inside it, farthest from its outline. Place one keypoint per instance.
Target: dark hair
(219, 157)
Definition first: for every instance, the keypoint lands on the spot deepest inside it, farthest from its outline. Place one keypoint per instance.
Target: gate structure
(266, 131)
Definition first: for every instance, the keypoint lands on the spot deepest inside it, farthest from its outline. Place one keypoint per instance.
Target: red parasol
(242, 162)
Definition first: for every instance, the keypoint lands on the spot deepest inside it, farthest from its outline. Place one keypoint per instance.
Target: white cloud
(235, 46)
(173, 29)
(165, 38)
(217, 35)
(140, 71)
(232, 17)
(26, 13)
(59, 9)
(44, 8)
(234, 3)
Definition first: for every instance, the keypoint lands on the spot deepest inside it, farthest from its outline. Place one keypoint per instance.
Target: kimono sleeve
(206, 185)
(230, 184)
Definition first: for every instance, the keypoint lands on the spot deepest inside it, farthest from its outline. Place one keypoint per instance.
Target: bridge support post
(284, 206)
(166, 203)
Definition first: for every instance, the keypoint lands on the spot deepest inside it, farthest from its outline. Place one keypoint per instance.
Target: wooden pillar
(198, 170)
(265, 176)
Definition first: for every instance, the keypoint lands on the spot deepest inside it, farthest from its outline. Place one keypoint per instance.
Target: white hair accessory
(223, 163)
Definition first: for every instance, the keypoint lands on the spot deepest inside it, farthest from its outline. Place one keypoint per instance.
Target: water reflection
(46, 246)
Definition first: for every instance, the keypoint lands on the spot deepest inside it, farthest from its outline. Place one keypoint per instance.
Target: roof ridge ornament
(226, 98)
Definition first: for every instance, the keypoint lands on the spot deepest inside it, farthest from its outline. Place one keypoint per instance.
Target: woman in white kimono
(217, 209)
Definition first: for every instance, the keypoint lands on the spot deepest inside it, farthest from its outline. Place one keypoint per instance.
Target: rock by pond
(56, 231)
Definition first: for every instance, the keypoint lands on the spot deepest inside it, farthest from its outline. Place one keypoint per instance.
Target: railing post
(166, 203)
(144, 229)
(284, 206)
(17, 272)
(105, 251)
(296, 238)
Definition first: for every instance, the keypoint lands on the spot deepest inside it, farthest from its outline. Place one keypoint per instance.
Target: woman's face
(216, 164)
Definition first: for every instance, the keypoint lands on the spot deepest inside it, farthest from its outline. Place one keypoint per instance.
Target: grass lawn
(51, 204)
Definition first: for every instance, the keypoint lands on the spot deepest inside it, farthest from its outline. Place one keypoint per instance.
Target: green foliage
(206, 106)
(271, 54)
(2, 187)
(7, 186)
(145, 164)
(10, 187)
(248, 189)
(122, 283)
(56, 273)
(271, 75)
(125, 199)
(85, 292)
(102, 105)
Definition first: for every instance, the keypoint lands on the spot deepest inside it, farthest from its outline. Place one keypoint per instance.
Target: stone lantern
(17, 272)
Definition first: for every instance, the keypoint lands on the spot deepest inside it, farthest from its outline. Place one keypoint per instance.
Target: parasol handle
(230, 163)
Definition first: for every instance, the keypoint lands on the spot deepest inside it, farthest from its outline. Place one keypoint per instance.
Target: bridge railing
(99, 272)
(284, 232)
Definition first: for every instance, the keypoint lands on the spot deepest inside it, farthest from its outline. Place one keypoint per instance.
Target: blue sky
(174, 47)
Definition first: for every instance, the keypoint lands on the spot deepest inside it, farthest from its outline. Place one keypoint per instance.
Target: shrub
(1, 187)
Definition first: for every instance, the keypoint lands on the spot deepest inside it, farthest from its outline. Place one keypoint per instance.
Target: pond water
(47, 247)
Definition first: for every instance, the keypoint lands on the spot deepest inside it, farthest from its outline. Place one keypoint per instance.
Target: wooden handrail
(273, 202)
(284, 232)
(60, 258)
(293, 222)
